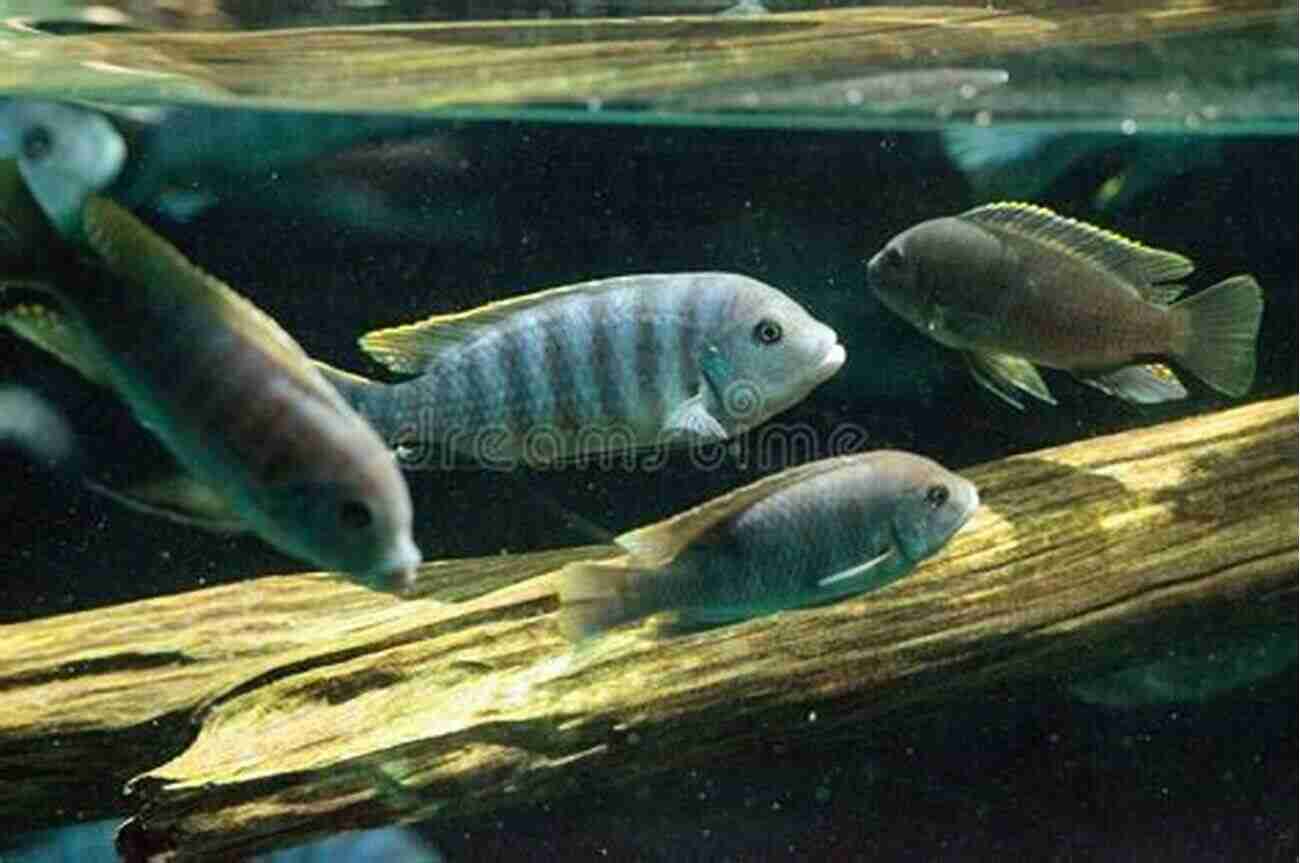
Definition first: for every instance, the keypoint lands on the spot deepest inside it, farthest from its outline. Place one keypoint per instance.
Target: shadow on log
(295, 706)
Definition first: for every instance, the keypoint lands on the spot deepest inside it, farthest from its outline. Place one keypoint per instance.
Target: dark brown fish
(1015, 285)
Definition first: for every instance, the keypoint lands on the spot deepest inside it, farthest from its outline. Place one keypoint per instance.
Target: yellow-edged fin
(1141, 384)
(136, 254)
(1141, 266)
(1004, 374)
(52, 332)
(412, 348)
(656, 544)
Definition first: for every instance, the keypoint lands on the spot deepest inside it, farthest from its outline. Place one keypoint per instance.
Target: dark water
(515, 207)
(800, 210)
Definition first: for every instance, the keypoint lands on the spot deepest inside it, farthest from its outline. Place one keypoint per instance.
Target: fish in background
(607, 366)
(1025, 164)
(229, 393)
(1197, 670)
(807, 536)
(64, 153)
(352, 169)
(1014, 285)
(92, 842)
(186, 159)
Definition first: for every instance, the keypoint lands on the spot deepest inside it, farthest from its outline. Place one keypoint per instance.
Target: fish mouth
(397, 574)
(970, 501)
(830, 363)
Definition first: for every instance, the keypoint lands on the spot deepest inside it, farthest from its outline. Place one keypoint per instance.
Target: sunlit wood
(262, 713)
(593, 61)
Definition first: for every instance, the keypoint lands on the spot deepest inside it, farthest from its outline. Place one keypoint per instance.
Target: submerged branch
(295, 705)
(659, 61)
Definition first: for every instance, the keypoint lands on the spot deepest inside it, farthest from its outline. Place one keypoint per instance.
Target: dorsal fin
(412, 348)
(656, 544)
(1141, 266)
(136, 254)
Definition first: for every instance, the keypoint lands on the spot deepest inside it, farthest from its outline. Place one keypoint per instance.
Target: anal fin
(1144, 385)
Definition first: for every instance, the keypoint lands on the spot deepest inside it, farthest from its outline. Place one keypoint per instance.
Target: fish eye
(767, 332)
(355, 515)
(936, 496)
(892, 257)
(37, 143)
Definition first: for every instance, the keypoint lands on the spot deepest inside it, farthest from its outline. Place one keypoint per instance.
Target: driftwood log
(651, 61)
(264, 713)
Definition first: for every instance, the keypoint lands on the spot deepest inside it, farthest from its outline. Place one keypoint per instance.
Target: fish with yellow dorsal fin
(594, 368)
(231, 395)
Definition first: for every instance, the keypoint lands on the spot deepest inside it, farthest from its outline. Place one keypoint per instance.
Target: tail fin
(595, 597)
(400, 419)
(358, 391)
(1221, 325)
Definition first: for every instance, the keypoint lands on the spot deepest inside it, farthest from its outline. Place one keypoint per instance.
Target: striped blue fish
(234, 399)
(604, 366)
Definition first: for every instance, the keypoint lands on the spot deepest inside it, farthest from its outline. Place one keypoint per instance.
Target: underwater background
(469, 211)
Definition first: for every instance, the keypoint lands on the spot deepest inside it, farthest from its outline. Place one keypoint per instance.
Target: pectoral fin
(180, 499)
(864, 570)
(693, 421)
(1003, 375)
(50, 331)
(717, 373)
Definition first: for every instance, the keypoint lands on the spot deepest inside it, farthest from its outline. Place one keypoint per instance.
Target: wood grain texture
(131, 677)
(292, 706)
(585, 61)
